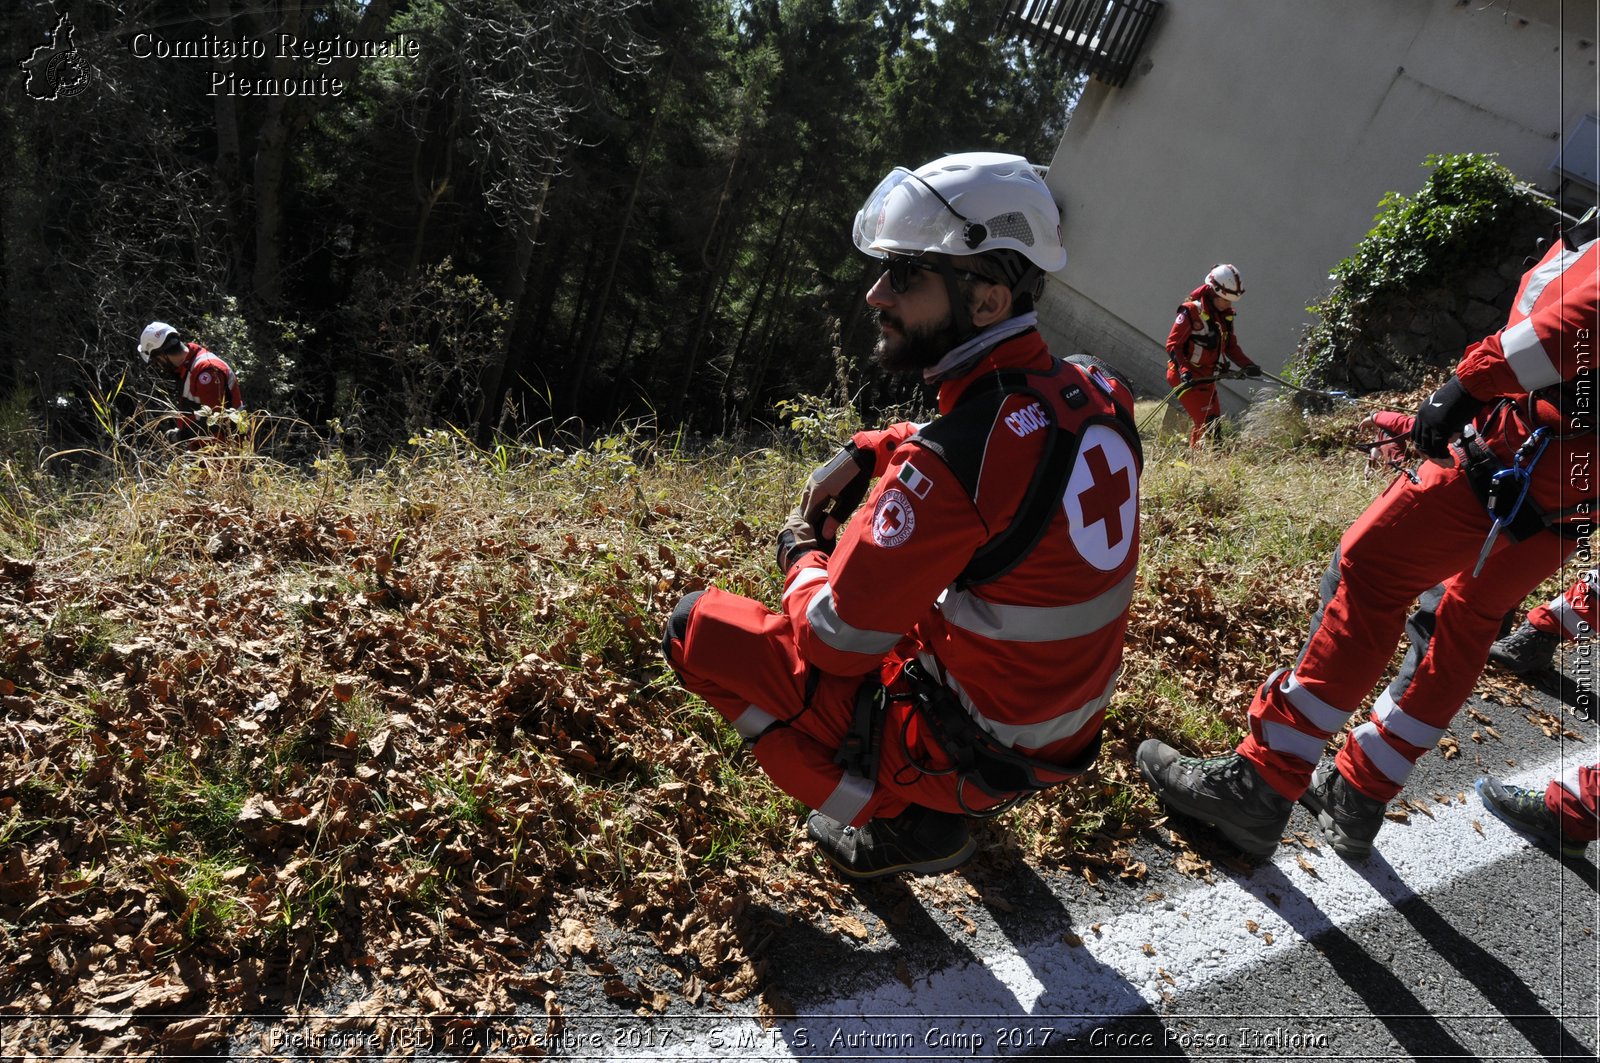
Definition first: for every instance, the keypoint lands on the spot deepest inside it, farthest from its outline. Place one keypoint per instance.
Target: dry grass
(264, 726)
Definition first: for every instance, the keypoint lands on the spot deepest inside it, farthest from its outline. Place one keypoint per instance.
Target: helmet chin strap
(960, 318)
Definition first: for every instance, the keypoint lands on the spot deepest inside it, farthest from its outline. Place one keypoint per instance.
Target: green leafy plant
(1466, 215)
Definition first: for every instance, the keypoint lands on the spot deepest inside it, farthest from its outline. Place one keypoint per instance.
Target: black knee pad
(678, 623)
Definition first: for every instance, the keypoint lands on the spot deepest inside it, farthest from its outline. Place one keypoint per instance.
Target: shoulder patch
(915, 480)
(204, 376)
(1102, 498)
(893, 519)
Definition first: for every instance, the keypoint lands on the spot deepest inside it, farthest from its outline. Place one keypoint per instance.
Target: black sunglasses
(900, 267)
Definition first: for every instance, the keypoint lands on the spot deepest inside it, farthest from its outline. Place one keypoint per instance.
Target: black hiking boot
(1349, 819)
(919, 840)
(1525, 651)
(1226, 792)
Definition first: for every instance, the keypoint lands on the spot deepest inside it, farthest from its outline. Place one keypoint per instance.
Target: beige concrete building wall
(1264, 133)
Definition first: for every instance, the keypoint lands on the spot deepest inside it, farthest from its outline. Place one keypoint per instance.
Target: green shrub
(1467, 215)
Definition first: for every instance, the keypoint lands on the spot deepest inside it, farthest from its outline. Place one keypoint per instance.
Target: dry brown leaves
(313, 746)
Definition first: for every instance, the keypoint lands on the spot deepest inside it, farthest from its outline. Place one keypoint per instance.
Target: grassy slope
(262, 726)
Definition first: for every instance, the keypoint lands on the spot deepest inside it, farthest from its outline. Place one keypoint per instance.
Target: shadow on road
(1387, 998)
(1576, 696)
(1498, 983)
(1104, 1015)
(919, 987)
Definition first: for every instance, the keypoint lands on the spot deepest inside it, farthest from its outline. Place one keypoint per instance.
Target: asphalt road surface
(1456, 940)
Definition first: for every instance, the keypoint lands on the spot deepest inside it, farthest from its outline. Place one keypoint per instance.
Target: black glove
(833, 491)
(1252, 370)
(1441, 416)
(797, 538)
(1185, 377)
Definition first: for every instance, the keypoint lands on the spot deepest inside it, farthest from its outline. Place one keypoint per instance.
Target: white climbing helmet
(155, 336)
(964, 205)
(1224, 281)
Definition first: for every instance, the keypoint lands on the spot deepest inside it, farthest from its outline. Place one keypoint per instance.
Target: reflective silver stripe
(1385, 757)
(1318, 713)
(806, 578)
(1027, 735)
(1029, 623)
(824, 620)
(848, 798)
(1527, 358)
(1541, 277)
(753, 721)
(1046, 732)
(1573, 624)
(1281, 738)
(1406, 728)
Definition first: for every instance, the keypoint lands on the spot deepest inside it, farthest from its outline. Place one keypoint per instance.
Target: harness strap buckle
(858, 754)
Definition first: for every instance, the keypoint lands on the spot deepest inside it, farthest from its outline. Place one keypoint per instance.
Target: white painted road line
(1135, 960)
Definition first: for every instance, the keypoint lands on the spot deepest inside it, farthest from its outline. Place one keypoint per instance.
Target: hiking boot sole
(1544, 841)
(918, 867)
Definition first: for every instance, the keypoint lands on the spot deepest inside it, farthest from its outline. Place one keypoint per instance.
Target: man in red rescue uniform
(958, 649)
(205, 381)
(1522, 401)
(1202, 346)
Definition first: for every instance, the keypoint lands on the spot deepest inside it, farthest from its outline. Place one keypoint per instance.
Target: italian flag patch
(914, 481)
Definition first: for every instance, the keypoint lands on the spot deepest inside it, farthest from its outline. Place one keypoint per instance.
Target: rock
(1406, 346)
(1485, 284)
(1481, 318)
(1448, 336)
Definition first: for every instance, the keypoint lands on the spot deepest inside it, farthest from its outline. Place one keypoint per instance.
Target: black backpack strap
(960, 437)
(977, 758)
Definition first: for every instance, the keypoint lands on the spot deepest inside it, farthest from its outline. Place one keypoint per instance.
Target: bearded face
(906, 348)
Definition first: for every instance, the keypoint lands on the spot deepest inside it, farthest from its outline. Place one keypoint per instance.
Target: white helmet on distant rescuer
(155, 336)
(1224, 280)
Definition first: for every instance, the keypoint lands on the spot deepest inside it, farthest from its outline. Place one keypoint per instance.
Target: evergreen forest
(521, 216)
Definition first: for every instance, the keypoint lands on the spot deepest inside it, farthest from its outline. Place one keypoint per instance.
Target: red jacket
(205, 380)
(1543, 360)
(1034, 653)
(1202, 336)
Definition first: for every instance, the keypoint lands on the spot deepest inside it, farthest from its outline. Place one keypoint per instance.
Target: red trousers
(740, 657)
(1202, 403)
(1573, 615)
(1411, 538)
(1575, 799)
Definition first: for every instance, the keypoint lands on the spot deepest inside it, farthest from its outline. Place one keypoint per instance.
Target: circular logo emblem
(1102, 498)
(892, 519)
(66, 76)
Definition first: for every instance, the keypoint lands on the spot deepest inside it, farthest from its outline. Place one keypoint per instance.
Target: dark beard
(915, 350)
